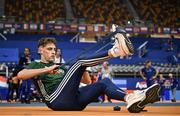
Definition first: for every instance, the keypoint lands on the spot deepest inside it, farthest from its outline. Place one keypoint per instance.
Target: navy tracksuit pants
(69, 97)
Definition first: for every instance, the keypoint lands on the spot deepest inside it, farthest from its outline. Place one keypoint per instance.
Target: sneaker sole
(152, 95)
(128, 44)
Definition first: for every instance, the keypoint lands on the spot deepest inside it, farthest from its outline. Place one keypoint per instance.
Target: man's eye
(49, 48)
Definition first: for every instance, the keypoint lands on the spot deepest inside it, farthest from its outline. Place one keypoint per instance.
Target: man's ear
(40, 50)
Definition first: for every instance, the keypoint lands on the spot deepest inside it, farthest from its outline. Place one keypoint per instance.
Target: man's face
(58, 52)
(48, 52)
(149, 64)
(160, 76)
(26, 52)
(105, 65)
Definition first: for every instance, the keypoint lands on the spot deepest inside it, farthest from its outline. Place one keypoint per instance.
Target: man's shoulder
(143, 68)
(35, 64)
(153, 68)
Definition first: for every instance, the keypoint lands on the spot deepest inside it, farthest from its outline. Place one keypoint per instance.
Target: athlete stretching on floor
(60, 86)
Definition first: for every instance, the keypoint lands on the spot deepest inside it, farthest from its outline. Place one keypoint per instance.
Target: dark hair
(44, 41)
(147, 61)
(27, 48)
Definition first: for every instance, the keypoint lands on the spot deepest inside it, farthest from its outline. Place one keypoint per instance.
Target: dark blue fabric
(70, 99)
(104, 86)
(73, 98)
(173, 82)
(148, 72)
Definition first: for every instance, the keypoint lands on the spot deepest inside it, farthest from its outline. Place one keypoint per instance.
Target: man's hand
(52, 69)
(153, 77)
(30, 73)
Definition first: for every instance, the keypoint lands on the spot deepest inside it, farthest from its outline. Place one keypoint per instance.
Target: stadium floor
(99, 109)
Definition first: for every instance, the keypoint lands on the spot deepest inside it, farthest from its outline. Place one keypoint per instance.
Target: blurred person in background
(99, 74)
(106, 73)
(149, 73)
(161, 83)
(25, 60)
(58, 58)
(173, 83)
(17, 84)
(10, 88)
(15, 90)
(167, 88)
(170, 43)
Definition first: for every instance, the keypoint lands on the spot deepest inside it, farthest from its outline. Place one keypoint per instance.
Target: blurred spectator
(15, 88)
(149, 73)
(16, 83)
(26, 84)
(59, 59)
(10, 88)
(173, 83)
(26, 58)
(167, 87)
(161, 83)
(106, 73)
(99, 74)
(170, 43)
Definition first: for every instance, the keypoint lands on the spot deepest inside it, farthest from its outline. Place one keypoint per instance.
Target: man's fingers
(56, 67)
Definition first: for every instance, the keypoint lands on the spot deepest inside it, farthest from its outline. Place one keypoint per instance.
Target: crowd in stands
(35, 11)
(101, 11)
(160, 12)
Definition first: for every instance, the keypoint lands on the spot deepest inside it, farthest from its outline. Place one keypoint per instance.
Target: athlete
(59, 86)
(149, 73)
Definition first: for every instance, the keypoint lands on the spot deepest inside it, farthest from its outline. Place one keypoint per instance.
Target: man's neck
(44, 61)
(148, 66)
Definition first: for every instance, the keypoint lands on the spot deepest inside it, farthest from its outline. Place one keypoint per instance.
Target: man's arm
(29, 73)
(157, 72)
(142, 75)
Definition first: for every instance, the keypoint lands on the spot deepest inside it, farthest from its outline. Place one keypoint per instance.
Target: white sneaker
(122, 46)
(138, 100)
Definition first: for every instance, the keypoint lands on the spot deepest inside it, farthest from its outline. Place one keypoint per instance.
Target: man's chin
(51, 60)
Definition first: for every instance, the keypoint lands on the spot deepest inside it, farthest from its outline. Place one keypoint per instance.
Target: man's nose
(53, 52)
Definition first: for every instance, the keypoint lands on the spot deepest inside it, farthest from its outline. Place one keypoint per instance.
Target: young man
(149, 73)
(174, 83)
(60, 87)
(24, 61)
